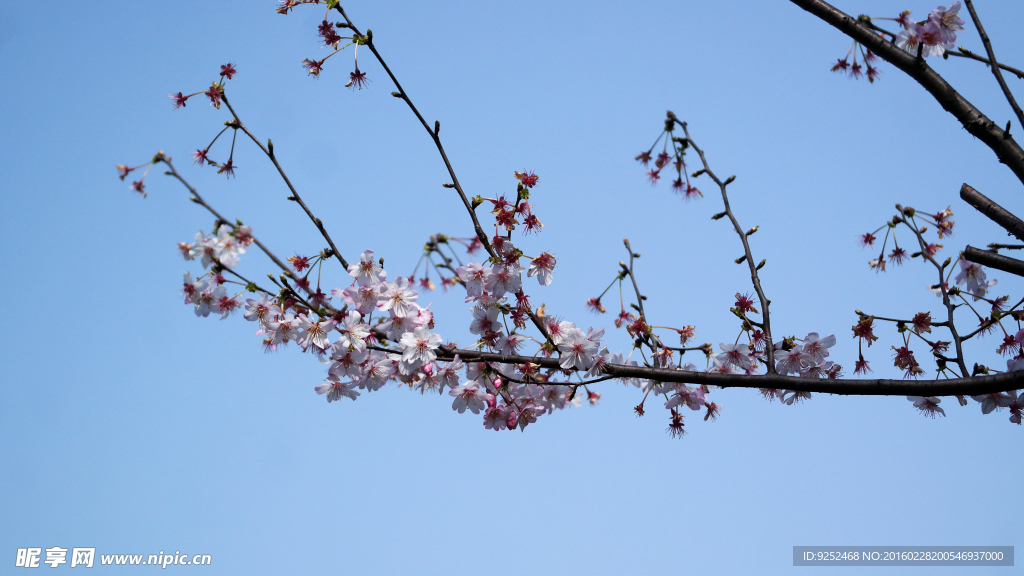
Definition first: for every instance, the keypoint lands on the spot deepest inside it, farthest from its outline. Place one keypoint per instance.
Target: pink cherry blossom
(469, 396)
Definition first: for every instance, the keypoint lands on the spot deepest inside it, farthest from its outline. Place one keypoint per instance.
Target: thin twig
(962, 52)
(754, 278)
(994, 64)
(433, 133)
(199, 200)
(295, 195)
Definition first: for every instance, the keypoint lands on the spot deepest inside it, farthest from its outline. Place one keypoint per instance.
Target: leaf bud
(719, 216)
(729, 180)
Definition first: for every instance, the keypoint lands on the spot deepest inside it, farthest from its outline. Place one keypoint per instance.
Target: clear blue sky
(129, 425)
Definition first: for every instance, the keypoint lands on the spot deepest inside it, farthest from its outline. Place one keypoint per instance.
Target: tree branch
(973, 120)
(993, 65)
(993, 260)
(1003, 382)
(295, 195)
(993, 211)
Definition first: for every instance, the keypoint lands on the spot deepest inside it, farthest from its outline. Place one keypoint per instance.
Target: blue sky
(132, 426)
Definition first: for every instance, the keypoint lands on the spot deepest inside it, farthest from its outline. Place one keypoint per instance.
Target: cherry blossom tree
(371, 328)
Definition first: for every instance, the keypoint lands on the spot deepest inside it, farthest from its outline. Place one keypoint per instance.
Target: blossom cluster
(933, 36)
(220, 251)
(374, 331)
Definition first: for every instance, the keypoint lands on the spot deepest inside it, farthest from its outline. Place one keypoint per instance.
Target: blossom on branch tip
(313, 67)
(576, 350)
(714, 410)
(528, 179)
(287, 5)
(594, 305)
(948, 21)
(357, 79)
(398, 297)
(419, 345)
(325, 31)
(922, 322)
(215, 94)
(995, 401)
(299, 263)
(790, 397)
(909, 39)
(263, 310)
(227, 168)
(817, 347)
(227, 71)
(897, 256)
(873, 73)
(336, 390)
(791, 361)
(928, 405)
(200, 156)
(736, 354)
(973, 275)
(179, 99)
(675, 427)
(904, 19)
(469, 396)
(744, 303)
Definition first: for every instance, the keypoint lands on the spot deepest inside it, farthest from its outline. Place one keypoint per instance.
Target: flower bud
(512, 419)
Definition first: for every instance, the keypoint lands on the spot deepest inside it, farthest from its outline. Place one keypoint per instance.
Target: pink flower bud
(512, 419)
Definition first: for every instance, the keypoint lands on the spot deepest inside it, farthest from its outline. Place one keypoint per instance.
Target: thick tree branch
(993, 260)
(973, 120)
(993, 64)
(950, 387)
(993, 211)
